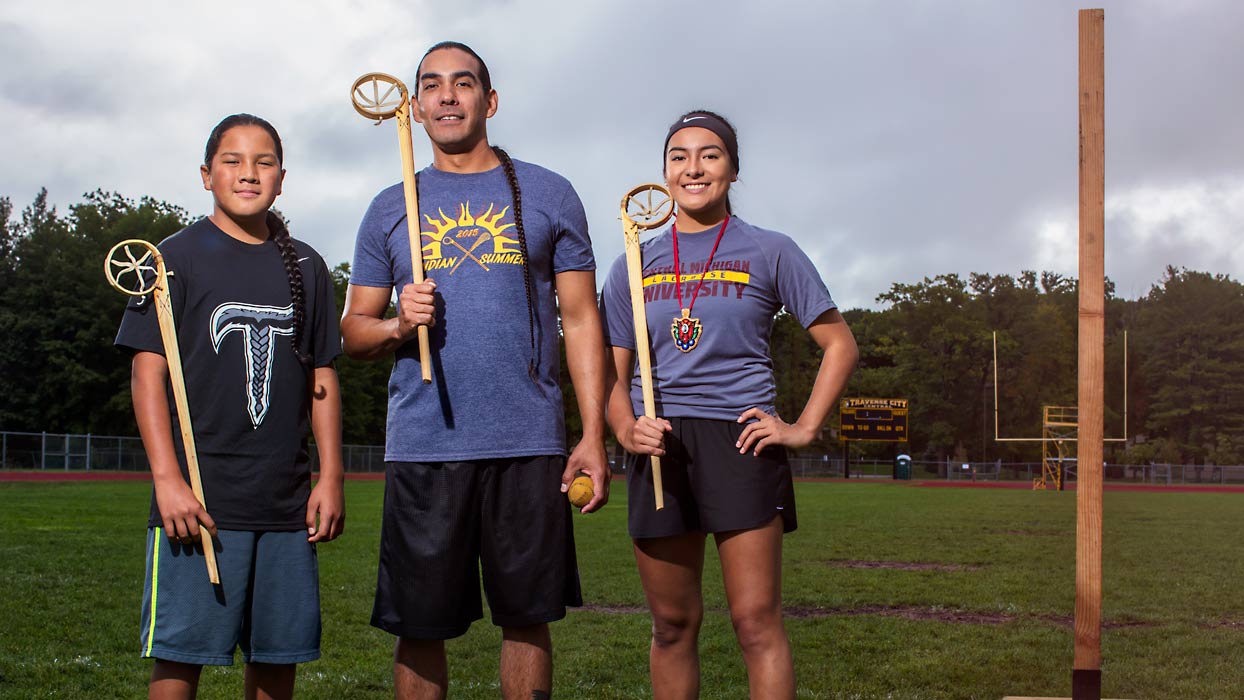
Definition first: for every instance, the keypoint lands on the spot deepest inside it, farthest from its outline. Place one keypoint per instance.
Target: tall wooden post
(1086, 669)
(1086, 672)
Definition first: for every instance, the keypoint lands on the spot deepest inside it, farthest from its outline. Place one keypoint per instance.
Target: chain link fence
(44, 451)
(1154, 474)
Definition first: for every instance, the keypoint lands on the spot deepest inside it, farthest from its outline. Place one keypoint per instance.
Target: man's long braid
(516, 193)
(293, 271)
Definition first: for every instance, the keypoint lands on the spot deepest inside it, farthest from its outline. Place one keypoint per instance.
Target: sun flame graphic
(473, 229)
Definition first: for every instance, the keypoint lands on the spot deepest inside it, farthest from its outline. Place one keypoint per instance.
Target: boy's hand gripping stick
(143, 261)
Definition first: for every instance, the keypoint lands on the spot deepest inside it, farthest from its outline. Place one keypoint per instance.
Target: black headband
(713, 123)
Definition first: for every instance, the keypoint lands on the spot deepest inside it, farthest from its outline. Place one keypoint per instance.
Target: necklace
(686, 329)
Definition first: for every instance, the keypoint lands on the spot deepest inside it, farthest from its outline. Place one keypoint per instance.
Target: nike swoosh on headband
(688, 119)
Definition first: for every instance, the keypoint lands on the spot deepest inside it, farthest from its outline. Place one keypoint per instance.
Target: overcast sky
(892, 140)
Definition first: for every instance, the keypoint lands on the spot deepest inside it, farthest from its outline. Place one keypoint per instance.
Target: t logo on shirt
(259, 326)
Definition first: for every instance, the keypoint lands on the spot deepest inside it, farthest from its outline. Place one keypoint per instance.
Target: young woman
(257, 332)
(712, 285)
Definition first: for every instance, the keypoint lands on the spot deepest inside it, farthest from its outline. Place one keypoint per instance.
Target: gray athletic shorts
(447, 523)
(708, 485)
(267, 603)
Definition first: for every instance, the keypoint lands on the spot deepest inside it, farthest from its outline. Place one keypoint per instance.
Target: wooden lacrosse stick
(151, 277)
(380, 105)
(643, 208)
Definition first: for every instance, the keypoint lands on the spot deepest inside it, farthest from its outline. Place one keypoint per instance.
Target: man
(476, 460)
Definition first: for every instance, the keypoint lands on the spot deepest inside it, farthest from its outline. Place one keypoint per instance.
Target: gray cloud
(892, 140)
(38, 81)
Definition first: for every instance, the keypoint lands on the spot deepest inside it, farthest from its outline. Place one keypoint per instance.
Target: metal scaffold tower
(1059, 427)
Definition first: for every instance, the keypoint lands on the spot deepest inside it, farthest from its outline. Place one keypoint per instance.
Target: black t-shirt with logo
(249, 395)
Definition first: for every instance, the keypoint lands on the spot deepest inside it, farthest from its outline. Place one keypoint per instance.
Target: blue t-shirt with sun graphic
(483, 402)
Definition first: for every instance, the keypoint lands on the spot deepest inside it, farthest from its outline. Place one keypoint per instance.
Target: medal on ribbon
(686, 331)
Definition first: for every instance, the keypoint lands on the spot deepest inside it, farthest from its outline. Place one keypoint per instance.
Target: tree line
(930, 342)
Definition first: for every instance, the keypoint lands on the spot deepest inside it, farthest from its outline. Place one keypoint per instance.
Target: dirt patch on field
(907, 612)
(912, 612)
(1070, 621)
(1118, 624)
(901, 565)
(939, 614)
(615, 609)
(1033, 533)
(1224, 624)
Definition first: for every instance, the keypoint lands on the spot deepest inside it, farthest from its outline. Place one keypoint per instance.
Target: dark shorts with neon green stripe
(267, 603)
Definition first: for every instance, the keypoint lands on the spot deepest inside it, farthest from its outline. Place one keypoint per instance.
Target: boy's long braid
(516, 193)
(293, 271)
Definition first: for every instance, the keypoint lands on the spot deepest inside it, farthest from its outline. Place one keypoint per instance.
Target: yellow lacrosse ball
(580, 491)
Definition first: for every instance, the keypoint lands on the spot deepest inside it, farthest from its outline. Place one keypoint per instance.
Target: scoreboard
(874, 420)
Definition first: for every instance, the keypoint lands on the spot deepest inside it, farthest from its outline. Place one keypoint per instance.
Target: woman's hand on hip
(765, 430)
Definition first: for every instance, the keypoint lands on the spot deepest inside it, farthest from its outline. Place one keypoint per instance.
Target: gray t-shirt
(482, 402)
(754, 273)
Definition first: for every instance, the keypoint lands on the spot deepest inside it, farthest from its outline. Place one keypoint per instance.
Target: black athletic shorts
(445, 522)
(709, 486)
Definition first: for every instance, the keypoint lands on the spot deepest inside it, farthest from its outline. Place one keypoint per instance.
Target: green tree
(8, 235)
(364, 383)
(941, 359)
(58, 314)
(931, 344)
(1191, 347)
(796, 361)
(1034, 317)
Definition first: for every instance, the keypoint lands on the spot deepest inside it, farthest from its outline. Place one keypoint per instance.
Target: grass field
(892, 591)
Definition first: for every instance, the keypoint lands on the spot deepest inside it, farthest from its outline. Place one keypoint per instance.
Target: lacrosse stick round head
(133, 267)
(378, 96)
(647, 207)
